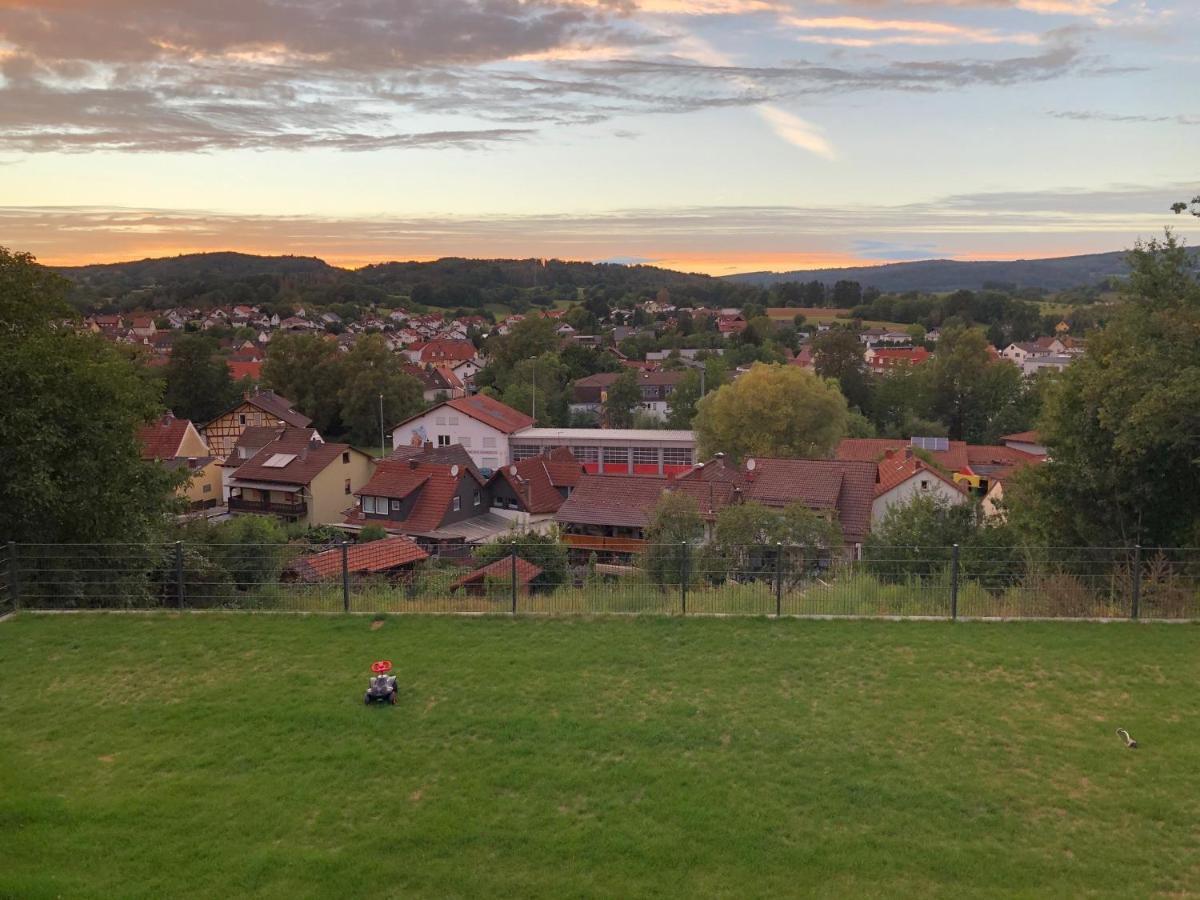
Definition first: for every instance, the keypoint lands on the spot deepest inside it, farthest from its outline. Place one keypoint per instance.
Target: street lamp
(382, 446)
(533, 359)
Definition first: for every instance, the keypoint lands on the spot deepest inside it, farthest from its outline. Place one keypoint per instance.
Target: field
(216, 755)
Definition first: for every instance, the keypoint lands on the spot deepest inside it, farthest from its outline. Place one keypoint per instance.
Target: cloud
(902, 31)
(796, 131)
(208, 75)
(1093, 116)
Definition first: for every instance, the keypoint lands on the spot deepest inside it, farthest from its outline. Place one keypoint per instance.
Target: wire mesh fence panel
(397, 575)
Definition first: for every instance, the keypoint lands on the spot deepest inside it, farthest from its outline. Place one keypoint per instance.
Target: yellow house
(300, 478)
(177, 444)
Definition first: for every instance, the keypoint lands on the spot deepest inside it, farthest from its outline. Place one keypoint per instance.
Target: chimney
(908, 453)
(428, 445)
(412, 463)
(889, 453)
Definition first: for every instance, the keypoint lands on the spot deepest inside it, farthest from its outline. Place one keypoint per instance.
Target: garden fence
(392, 576)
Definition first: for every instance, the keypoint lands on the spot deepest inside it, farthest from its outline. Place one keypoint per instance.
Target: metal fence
(387, 576)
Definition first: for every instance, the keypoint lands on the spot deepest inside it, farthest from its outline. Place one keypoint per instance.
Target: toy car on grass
(381, 688)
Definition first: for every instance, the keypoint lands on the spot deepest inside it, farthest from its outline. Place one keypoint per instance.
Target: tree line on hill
(1119, 421)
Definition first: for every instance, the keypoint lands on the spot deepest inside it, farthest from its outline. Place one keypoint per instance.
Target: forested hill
(936, 275)
(211, 279)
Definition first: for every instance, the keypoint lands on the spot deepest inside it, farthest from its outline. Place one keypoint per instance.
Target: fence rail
(679, 579)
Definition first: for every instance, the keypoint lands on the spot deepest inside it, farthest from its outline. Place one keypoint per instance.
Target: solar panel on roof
(932, 444)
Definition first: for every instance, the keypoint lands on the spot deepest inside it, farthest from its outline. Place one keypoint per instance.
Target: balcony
(264, 508)
(600, 544)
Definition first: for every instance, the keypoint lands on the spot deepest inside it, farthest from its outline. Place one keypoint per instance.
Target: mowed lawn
(230, 755)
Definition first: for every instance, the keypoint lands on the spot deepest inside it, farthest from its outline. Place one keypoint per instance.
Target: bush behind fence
(542, 578)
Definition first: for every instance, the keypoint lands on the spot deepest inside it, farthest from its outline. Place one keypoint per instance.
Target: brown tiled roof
(270, 402)
(619, 500)
(161, 439)
(398, 479)
(453, 454)
(374, 556)
(312, 456)
(538, 478)
(501, 568)
(447, 351)
(997, 463)
(845, 485)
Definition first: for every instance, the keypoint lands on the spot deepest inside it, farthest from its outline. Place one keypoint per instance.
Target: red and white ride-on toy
(382, 686)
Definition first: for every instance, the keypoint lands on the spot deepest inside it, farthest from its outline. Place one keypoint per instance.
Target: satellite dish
(512, 470)
(454, 471)
(750, 465)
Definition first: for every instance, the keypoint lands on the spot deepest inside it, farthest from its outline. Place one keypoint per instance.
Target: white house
(1026, 442)
(902, 477)
(482, 425)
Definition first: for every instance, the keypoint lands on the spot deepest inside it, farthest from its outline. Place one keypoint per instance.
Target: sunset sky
(707, 135)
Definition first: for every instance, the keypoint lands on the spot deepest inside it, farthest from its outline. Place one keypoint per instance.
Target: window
(477, 498)
(924, 484)
(457, 504)
(523, 451)
(440, 420)
(513, 504)
(368, 505)
(677, 456)
(465, 441)
(443, 440)
(498, 501)
(616, 455)
(395, 505)
(453, 420)
(346, 487)
(645, 456)
(207, 489)
(242, 419)
(586, 454)
(489, 443)
(346, 458)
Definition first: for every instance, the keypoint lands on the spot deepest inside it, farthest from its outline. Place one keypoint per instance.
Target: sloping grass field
(222, 755)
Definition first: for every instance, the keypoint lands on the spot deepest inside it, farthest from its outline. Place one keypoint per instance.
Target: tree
(838, 354)
(543, 550)
(199, 386)
(622, 399)
(306, 369)
(772, 410)
(681, 404)
(73, 471)
(847, 294)
(370, 370)
(967, 387)
(675, 523)
(548, 376)
(1120, 422)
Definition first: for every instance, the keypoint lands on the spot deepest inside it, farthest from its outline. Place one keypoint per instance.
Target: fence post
(1137, 582)
(954, 583)
(179, 574)
(683, 575)
(513, 560)
(345, 575)
(14, 576)
(778, 579)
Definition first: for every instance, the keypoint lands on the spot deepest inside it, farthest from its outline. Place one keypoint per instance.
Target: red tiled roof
(1023, 437)
(898, 356)
(620, 500)
(447, 350)
(484, 409)
(501, 568)
(899, 469)
(161, 440)
(311, 458)
(239, 369)
(996, 463)
(874, 449)
(374, 556)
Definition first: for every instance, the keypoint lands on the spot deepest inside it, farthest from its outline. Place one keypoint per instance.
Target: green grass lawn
(225, 755)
